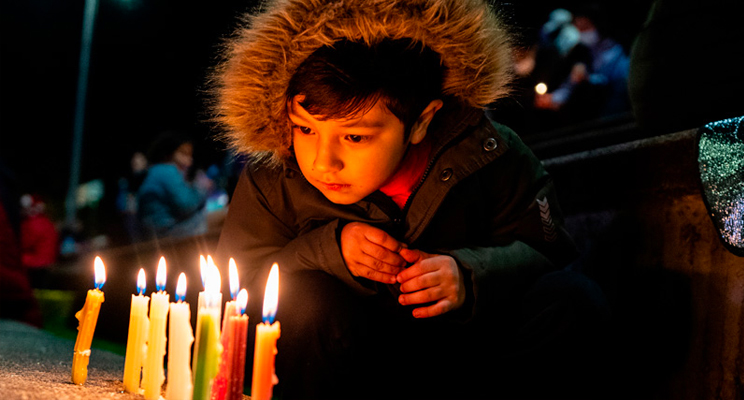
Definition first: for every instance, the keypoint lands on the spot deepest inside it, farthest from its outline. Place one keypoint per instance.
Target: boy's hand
(431, 278)
(371, 253)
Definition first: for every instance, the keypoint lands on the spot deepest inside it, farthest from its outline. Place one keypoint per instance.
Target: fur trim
(263, 55)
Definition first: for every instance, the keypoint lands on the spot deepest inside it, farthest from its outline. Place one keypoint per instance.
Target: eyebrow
(363, 124)
(349, 123)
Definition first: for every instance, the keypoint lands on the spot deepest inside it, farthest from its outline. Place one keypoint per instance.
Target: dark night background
(149, 61)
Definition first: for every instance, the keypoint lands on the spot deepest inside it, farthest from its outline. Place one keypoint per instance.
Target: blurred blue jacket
(168, 205)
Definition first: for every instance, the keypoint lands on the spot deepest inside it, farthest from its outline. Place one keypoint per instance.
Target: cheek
(303, 151)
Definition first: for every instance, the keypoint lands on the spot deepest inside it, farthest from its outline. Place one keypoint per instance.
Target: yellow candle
(87, 317)
(267, 333)
(152, 372)
(137, 338)
(180, 386)
(207, 348)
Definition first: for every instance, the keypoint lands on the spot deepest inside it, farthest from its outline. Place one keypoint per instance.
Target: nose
(327, 158)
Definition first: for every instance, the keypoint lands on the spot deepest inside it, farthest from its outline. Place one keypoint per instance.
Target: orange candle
(267, 333)
(137, 338)
(87, 317)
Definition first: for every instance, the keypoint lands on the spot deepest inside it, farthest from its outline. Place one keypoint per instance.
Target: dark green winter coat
(485, 200)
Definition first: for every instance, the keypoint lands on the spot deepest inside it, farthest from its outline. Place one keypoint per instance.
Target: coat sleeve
(525, 235)
(259, 230)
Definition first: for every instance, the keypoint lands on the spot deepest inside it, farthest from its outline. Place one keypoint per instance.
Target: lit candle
(541, 88)
(267, 333)
(179, 347)
(87, 317)
(223, 380)
(137, 338)
(239, 327)
(203, 270)
(152, 372)
(207, 348)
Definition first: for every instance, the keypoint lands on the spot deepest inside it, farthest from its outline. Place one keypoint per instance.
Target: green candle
(208, 348)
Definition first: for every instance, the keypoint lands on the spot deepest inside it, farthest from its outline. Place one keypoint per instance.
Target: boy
(407, 227)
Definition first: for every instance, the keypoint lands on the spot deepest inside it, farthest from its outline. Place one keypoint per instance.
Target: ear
(419, 128)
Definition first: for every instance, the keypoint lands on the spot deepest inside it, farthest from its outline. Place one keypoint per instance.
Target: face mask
(589, 38)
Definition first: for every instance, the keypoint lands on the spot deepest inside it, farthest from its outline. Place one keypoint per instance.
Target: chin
(340, 198)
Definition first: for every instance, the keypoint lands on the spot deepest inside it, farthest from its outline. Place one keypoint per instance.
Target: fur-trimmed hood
(260, 59)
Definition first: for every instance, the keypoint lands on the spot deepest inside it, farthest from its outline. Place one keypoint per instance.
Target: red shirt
(400, 186)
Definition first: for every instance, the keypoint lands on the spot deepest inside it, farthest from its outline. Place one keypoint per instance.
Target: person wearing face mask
(168, 204)
(596, 88)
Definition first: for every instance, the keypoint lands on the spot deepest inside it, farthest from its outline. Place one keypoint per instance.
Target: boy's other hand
(432, 278)
(371, 253)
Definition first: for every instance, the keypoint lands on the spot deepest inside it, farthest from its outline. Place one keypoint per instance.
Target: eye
(357, 138)
(303, 129)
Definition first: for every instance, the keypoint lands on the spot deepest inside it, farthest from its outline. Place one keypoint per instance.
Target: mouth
(333, 186)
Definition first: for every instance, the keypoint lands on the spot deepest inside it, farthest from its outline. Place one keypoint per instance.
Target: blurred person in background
(39, 240)
(126, 199)
(17, 299)
(597, 85)
(168, 203)
(543, 66)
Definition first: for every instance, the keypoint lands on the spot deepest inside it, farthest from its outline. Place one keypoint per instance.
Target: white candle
(181, 336)
(152, 373)
(137, 338)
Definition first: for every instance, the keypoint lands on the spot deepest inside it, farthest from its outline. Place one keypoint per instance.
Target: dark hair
(165, 145)
(349, 77)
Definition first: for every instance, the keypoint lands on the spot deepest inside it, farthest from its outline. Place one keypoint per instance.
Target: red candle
(229, 381)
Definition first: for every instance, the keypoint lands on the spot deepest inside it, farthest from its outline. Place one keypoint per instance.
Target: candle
(232, 342)
(203, 268)
(239, 328)
(137, 338)
(207, 348)
(267, 333)
(181, 336)
(87, 317)
(152, 371)
(541, 88)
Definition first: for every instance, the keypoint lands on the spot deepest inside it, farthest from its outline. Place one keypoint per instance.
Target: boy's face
(347, 159)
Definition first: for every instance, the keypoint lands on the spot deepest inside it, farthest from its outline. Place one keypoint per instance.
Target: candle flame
(181, 287)
(212, 278)
(541, 88)
(100, 272)
(234, 279)
(141, 281)
(160, 277)
(242, 300)
(203, 270)
(271, 296)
